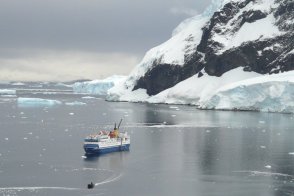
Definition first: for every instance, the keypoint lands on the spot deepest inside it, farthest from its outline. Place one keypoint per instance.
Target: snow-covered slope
(97, 87)
(195, 90)
(174, 51)
(270, 93)
(232, 41)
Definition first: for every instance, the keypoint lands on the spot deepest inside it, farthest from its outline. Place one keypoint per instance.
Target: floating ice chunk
(71, 113)
(291, 153)
(7, 91)
(18, 84)
(36, 102)
(263, 147)
(88, 97)
(75, 103)
(268, 166)
(6, 139)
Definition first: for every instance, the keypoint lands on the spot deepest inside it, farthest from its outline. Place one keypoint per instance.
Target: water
(175, 150)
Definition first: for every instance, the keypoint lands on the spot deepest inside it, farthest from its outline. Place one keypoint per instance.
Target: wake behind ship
(107, 141)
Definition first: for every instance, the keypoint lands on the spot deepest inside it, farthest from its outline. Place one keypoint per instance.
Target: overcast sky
(83, 39)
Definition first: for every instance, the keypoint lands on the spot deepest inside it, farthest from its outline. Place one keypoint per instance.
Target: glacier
(195, 90)
(269, 93)
(235, 90)
(97, 87)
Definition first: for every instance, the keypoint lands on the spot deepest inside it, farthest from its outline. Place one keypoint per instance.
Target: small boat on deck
(107, 141)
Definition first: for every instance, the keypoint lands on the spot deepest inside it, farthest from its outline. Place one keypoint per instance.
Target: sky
(64, 40)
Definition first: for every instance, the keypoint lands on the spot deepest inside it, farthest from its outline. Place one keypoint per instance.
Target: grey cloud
(104, 25)
(128, 27)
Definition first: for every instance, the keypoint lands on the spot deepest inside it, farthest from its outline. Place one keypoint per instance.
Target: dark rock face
(164, 76)
(271, 55)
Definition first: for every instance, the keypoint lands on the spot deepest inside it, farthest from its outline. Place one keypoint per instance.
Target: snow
(269, 93)
(97, 87)
(138, 95)
(36, 102)
(195, 90)
(263, 28)
(185, 37)
(192, 91)
(235, 89)
(8, 91)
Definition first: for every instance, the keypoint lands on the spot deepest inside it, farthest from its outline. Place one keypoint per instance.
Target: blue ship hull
(93, 149)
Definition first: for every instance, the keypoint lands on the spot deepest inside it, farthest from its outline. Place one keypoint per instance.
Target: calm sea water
(175, 150)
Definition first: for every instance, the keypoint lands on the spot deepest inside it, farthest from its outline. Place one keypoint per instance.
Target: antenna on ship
(114, 126)
(119, 123)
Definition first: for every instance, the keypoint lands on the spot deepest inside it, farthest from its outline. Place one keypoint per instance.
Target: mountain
(248, 38)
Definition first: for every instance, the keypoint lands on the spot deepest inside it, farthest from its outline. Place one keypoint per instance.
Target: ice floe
(36, 102)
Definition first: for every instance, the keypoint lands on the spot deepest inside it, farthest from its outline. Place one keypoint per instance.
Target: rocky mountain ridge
(255, 35)
(266, 54)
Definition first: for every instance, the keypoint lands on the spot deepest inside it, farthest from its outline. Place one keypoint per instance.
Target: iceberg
(36, 102)
(97, 87)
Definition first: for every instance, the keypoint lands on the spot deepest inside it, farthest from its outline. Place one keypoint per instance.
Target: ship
(107, 141)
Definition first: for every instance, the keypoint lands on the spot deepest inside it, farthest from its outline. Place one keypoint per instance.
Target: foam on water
(110, 179)
(261, 173)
